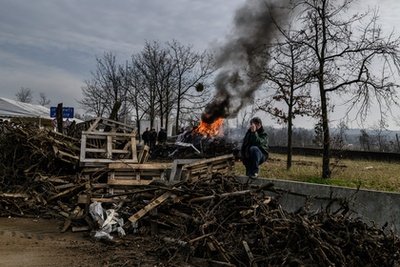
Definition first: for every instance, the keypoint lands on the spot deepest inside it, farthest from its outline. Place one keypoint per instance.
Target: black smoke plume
(253, 28)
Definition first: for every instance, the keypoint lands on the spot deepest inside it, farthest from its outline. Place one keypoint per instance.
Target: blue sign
(68, 113)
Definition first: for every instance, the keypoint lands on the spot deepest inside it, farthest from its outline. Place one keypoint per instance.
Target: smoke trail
(253, 27)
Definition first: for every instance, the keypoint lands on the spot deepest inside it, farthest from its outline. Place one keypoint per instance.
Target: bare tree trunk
(177, 114)
(114, 112)
(290, 132)
(326, 172)
(289, 145)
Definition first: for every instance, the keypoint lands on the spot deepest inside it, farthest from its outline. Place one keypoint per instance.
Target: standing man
(162, 137)
(153, 138)
(146, 137)
(255, 147)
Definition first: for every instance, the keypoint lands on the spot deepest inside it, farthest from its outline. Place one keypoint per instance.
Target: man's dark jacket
(162, 136)
(153, 136)
(146, 135)
(258, 138)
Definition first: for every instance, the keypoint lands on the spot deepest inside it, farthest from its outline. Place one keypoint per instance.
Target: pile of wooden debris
(210, 217)
(192, 145)
(237, 224)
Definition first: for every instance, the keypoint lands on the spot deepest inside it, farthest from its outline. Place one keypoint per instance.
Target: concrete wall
(368, 205)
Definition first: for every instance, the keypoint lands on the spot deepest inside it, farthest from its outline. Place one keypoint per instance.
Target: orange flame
(210, 129)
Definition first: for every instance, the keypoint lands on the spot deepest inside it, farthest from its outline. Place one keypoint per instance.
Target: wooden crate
(124, 176)
(108, 141)
(204, 169)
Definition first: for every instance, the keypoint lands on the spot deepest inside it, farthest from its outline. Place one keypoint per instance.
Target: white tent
(12, 109)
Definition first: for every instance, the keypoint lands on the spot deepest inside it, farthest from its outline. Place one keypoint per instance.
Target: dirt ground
(39, 242)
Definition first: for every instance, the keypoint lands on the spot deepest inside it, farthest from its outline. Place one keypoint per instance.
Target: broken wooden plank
(125, 166)
(61, 154)
(221, 263)
(115, 182)
(75, 213)
(199, 238)
(202, 163)
(80, 229)
(69, 185)
(144, 155)
(205, 198)
(68, 191)
(14, 195)
(249, 254)
(109, 200)
(96, 135)
(133, 148)
(150, 206)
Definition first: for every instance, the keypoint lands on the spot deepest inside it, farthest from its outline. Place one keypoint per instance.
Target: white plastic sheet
(109, 221)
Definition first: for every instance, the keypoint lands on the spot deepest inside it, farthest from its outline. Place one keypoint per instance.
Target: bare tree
(302, 137)
(137, 87)
(348, 50)
(105, 87)
(190, 69)
(364, 139)
(126, 83)
(287, 77)
(168, 73)
(380, 135)
(318, 134)
(24, 95)
(167, 86)
(92, 101)
(339, 138)
(149, 66)
(43, 101)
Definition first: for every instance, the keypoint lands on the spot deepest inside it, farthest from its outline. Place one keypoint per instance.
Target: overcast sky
(50, 46)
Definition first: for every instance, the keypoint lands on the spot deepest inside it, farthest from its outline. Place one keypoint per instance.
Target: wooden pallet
(204, 169)
(124, 176)
(100, 147)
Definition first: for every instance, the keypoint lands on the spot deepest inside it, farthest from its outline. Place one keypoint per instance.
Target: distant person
(181, 135)
(255, 147)
(146, 137)
(162, 137)
(153, 138)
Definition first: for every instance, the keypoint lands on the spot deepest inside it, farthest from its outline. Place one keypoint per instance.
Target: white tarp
(11, 108)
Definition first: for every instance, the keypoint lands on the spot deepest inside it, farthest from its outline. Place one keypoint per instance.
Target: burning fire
(210, 129)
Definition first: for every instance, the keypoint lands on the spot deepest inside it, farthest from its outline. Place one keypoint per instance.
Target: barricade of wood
(204, 169)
